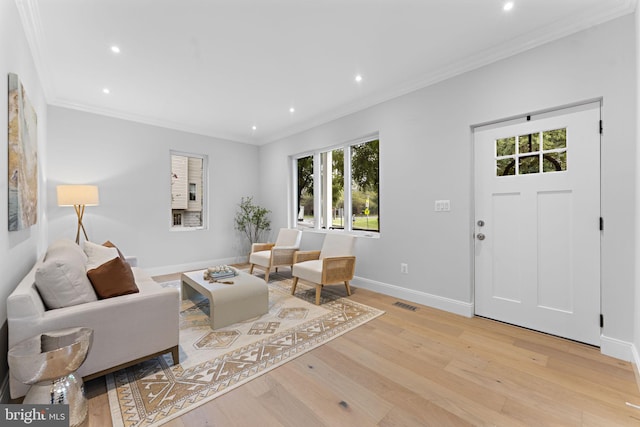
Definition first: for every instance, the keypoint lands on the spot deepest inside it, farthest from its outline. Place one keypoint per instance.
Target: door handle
(480, 236)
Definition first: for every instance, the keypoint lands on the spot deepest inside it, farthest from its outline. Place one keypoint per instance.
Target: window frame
(517, 156)
(317, 195)
(205, 192)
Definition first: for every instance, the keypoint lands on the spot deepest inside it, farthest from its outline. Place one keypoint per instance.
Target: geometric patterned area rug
(214, 362)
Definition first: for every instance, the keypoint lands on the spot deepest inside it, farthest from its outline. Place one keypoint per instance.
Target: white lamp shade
(70, 195)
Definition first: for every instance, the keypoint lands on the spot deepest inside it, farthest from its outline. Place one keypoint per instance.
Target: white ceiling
(219, 67)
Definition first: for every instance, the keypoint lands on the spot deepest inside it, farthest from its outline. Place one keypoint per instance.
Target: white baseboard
(636, 364)
(617, 348)
(447, 304)
(198, 265)
(608, 346)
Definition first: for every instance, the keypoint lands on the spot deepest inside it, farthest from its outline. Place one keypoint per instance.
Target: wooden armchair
(274, 255)
(335, 263)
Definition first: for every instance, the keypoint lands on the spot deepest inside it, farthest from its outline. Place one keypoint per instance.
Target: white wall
(636, 341)
(425, 143)
(18, 249)
(131, 165)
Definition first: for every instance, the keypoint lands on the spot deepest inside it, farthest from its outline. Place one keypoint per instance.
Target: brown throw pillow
(112, 279)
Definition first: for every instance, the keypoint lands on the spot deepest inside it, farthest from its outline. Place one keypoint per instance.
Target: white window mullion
(517, 165)
(540, 153)
(293, 184)
(317, 191)
(348, 208)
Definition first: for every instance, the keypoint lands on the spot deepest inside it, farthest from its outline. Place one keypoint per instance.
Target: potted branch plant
(252, 220)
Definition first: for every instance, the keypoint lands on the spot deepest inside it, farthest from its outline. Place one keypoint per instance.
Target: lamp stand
(80, 212)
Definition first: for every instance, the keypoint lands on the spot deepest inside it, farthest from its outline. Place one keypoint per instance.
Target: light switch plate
(443, 205)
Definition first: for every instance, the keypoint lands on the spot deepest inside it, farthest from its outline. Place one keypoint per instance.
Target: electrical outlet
(404, 268)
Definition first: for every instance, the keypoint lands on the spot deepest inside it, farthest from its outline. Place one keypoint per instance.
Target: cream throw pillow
(98, 255)
(61, 279)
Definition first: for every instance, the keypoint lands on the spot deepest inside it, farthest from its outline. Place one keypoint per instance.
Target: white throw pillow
(62, 279)
(98, 255)
(65, 248)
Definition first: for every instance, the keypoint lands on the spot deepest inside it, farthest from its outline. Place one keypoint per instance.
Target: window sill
(176, 228)
(357, 233)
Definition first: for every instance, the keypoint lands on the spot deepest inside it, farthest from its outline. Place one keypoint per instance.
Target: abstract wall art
(23, 158)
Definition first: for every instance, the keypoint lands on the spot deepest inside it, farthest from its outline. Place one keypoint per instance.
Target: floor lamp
(78, 196)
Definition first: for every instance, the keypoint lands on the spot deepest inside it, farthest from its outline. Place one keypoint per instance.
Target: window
(338, 188)
(305, 215)
(188, 177)
(524, 154)
(177, 219)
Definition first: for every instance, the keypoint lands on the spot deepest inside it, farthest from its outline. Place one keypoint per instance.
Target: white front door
(537, 228)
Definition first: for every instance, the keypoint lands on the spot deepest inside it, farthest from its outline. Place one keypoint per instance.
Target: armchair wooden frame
(280, 257)
(334, 270)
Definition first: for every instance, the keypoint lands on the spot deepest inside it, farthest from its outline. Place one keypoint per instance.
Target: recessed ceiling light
(292, 110)
(254, 127)
(115, 49)
(508, 6)
(358, 78)
(106, 90)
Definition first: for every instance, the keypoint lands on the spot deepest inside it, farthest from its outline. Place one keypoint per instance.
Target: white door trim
(561, 110)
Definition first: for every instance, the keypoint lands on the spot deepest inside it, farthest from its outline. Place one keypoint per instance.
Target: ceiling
(220, 67)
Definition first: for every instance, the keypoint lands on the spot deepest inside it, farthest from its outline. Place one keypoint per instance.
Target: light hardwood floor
(425, 368)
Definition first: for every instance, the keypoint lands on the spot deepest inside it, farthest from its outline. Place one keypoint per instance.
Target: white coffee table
(247, 297)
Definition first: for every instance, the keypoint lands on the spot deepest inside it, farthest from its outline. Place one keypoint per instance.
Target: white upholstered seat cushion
(260, 258)
(308, 270)
(288, 240)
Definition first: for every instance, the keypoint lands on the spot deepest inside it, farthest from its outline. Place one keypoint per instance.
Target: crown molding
(139, 118)
(523, 43)
(30, 17)
(32, 25)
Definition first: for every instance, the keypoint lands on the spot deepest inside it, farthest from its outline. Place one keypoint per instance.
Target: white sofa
(127, 328)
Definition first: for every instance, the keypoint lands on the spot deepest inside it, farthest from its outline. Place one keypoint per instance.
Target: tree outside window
(335, 189)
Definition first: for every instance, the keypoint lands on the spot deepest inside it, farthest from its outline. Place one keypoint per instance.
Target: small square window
(506, 167)
(528, 164)
(554, 139)
(529, 143)
(554, 162)
(506, 146)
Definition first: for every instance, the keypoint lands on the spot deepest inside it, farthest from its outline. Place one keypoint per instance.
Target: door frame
(512, 120)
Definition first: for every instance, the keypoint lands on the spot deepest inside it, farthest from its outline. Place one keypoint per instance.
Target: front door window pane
(529, 143)
(506, 167)
(554, 162)
(546, 148)
(529, 164)
(506, 146)
(553, 139)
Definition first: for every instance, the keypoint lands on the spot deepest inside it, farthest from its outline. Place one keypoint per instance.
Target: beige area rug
(215, 362)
